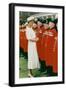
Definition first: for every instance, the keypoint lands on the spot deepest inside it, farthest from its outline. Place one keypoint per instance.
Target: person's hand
(37, 39)
(55, 38)
(46, 33)
(50, 34)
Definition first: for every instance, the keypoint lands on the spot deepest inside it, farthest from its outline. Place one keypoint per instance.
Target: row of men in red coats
(47, 45)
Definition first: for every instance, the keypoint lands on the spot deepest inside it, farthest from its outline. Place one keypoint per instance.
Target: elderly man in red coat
(39, 34)
(40, 46)
(23, 40)
(50, 45)
(44, 41)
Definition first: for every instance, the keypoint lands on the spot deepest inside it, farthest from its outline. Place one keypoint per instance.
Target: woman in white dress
(33, 60)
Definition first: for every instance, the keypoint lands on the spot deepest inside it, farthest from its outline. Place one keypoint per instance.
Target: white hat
(26, 23)
(30, 18)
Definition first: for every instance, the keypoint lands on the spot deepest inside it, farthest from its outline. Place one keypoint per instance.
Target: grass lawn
(23, 71)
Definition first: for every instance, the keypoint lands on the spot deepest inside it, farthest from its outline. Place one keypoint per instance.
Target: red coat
(39, 43)
(49, 44)
(43, 42)
(55, 55)
(23, 41)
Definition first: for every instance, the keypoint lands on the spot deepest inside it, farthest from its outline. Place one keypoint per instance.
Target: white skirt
(33, 60)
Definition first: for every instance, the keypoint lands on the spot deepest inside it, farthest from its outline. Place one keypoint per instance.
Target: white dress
(33, 60)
